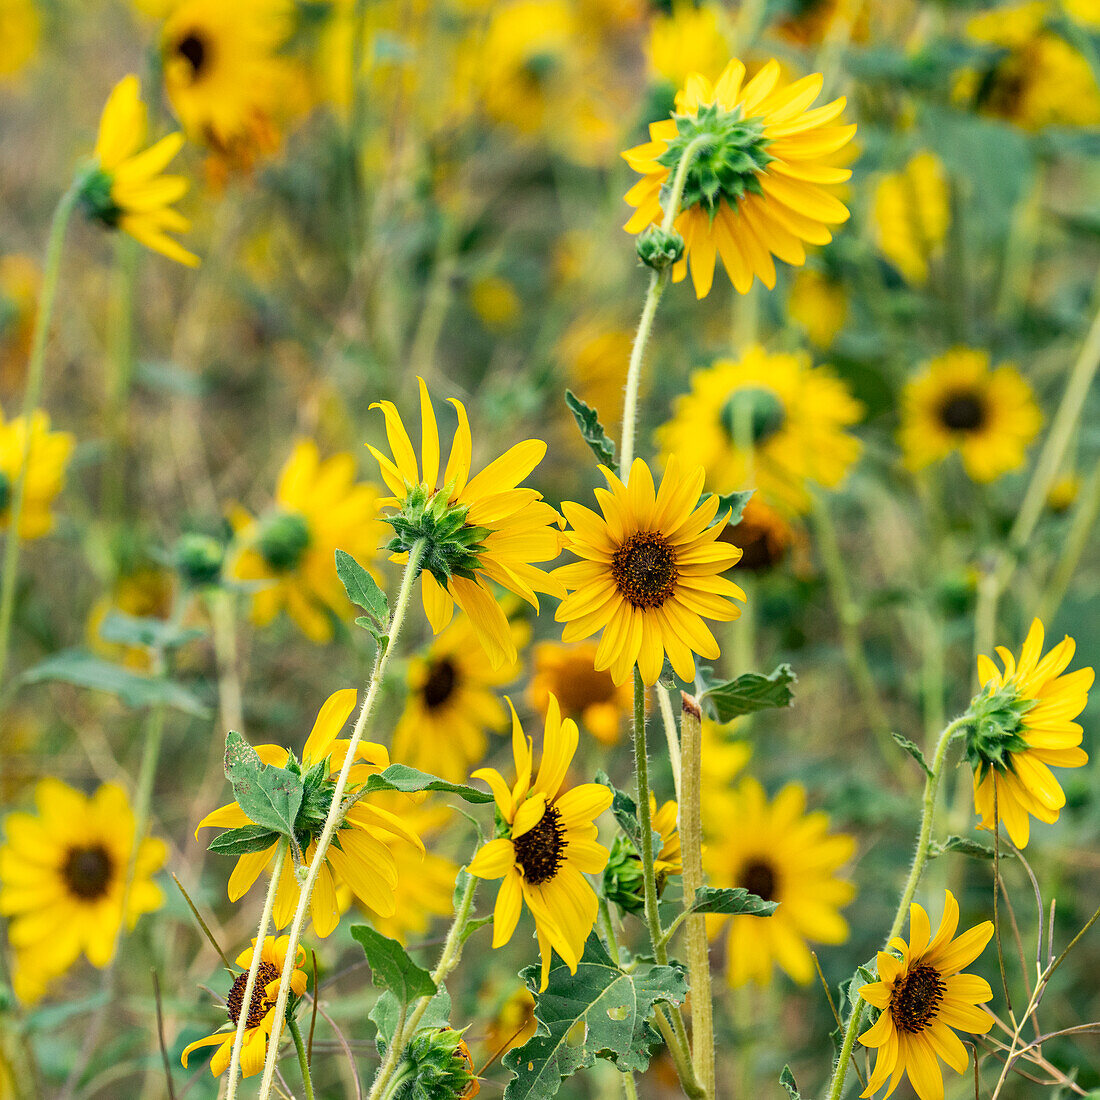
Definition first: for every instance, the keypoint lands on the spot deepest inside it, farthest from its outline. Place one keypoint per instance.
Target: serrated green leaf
(968, 847)
(732, 503)
(391, 967)
(159, 634)
(269, 796)
(614, 1007)
(387, 1012)
(83, 669)
(592, 431)
(786, 1079)
(400, 777)
(238, 842)
(725, 700)
(913, 750)
(731, 901)
(625, 811)
(361, 589)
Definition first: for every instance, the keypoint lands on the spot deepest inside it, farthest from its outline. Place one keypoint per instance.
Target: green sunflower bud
(452, 545)
(434, 1066)
(198, 560)
(995, 729)
(283, 539)
(623, 882)
(659, 249)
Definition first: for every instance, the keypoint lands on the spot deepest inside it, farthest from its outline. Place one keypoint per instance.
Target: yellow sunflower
(123, 188)
(62, 878)
(500, 529)
(363, 860)
(19, 32)
(921, 997)
(757, 188)
(667, 824)
(688, 40)
(319, 508)
(568, 672)
(724, 756)
(261, 1012)
(1023, 723)
(649, 572)
(20, 281)
(912, 211)
(46, 463)
(819, 305)
(452, 701)
(769, 422)
(958, 403)
(781, 853)
(549, 846)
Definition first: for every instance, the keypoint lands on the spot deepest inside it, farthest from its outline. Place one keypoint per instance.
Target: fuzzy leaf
(145, 632)
(361, 589)
(391, 967)
(731, 901)
(625, 811)
(400, 777)
(268, 795)
(786, 1079)
(967, 847)
(238, 842)
(750, 692)
(592, 431)
(913, 750)
(614, 1007)
(387, 1012)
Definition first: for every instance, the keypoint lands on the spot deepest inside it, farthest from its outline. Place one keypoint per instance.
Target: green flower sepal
(995, 728)
(93, 187)
(434, 1066)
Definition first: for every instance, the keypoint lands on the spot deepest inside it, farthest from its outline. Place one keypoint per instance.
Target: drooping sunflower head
(921, 997)
(756, 182)
(1022, 724)
(959, 403)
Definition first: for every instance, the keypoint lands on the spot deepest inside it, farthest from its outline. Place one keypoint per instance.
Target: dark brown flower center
(260, 1005)
(88, 871)
(644, 569)
(194, 51)
(759, 878)
(440, 684)
(540, 850)
(916, 997)
(762, 547)
(963, 412)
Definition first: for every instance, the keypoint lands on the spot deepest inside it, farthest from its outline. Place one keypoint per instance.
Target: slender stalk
(669, 721)
(337, 809)
(303, 1061)
(645, 822)
(680, 1054)
(920, 858)
(32, 394)
(691, 844)
(253, 971)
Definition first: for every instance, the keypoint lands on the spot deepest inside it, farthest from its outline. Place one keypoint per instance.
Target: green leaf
(400, 777)
(614, 1007)
(387, 1012)
(362, 590)
(79, 667)
(750, 692)
(786, 1079)
(625, 811)
(145, 632)
(731, 901)
(592, 431)
(238, 842)
(967, 846)
(269, 796)
(733, 503)
(913, 750)
(374, 630)
(391, 967)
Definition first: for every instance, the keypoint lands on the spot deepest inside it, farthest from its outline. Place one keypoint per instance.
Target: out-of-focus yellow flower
(19, 31)
(689, 40)
(724, 757)
(45, 478)
(912, 211)
(594, 356)
(495, 301)
(958, 403)
(812, 21)
(819, 305)
(770, 422)
(590, 697)
(20, 280)
(513, 1023)
(764, 536)
(145, 593)
(1063, 493)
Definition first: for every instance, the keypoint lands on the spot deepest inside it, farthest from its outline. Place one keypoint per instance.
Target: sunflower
(665, 822)
(957, 403)
(688, 40)
(363, 860)
(46, 462)
(62, 878)
(1022, 723)
(763, 536)
(757, 188)
(549, 845)
(480, 529)
(123, 188)
(912, 211)
(568, 672)
(319, 507)
(19, 32)
(781, 853)
(649, 572)
(594, 355)
(768, 422)
(724, 755)
(921, 997)
(819, 305)
(144, 591)
(452, 701)
(20, 282)
(261, 1012)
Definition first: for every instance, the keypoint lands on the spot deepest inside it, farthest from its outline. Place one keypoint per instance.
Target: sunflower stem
(32, 393)
(254, 970)
(645, 823)
(674, 749)
(303, 1061)
(337, 809)
(920, 858)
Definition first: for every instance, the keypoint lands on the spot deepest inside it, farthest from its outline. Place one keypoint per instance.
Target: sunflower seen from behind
(649, 573)
(758, 186)
(921, 997)
(549, 844)
(959, 403)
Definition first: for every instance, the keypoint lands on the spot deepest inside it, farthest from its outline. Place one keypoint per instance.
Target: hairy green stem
(645, 823)
(303, 1061)
(668, 719)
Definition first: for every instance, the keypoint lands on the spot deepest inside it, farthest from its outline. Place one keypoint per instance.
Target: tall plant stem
(668, 720)
(32, 394)
(645, 823)
(303, 1061)
(920, 858)
(254, 970)
(337, 809)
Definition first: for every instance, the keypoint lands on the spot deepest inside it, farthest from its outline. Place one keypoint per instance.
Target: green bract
(623, 880)
(995, 729)
(754, 412)
(94, 195)
(283, 539)
(198, 559)
(659, 249)
(435, 1066)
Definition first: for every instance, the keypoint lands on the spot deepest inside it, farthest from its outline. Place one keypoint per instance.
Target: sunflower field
(549, 549)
